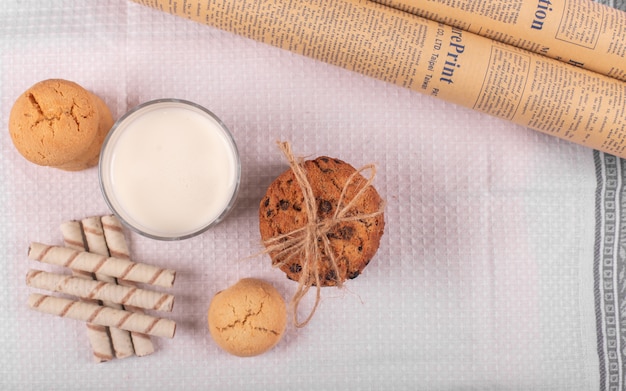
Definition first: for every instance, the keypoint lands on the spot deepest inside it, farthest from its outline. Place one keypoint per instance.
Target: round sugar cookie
(248, 318)
(60, 124)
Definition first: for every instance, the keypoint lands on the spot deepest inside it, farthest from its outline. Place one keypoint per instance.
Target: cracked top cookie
(248, 318)
(353, 243)
(58, 123)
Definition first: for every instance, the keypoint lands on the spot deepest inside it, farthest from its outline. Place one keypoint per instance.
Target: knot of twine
(310, 242)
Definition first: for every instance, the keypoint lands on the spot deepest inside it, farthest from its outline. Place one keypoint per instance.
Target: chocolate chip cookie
(353, 243)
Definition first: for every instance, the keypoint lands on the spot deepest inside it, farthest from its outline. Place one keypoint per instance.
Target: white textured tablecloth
(501, 268)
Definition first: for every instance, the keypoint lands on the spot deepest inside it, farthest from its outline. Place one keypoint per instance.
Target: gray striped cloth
(610, 263)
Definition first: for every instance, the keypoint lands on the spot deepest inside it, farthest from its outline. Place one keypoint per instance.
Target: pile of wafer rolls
(104, 281)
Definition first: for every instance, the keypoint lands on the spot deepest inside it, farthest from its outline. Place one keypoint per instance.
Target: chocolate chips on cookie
(321, 222)
(353, 242)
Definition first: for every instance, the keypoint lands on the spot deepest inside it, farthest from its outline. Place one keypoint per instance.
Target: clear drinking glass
(169, 169)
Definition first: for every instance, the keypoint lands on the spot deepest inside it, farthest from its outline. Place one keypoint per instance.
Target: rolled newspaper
(101, 315)
(94, 239)
(118, 247)
(583, 33)
(100, 290)
(447, 62)
(97, 335)
(115, 267)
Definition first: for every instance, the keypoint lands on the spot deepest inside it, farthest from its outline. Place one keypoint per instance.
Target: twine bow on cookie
(310, 242)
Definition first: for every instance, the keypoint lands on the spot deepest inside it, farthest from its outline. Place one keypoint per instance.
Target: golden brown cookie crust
(91, 156)
(354, 243)
(248, 318)
(58, 123)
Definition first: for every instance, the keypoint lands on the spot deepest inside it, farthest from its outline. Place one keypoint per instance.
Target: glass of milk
(169, 169)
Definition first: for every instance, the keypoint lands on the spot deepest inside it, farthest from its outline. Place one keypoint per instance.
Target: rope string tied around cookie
(304, 242)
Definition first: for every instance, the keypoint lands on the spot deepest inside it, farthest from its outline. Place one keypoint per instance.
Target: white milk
(169, 169)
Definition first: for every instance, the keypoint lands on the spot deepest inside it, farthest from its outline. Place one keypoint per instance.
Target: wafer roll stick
(104, 316)
(73, 238)
(94, 238)
(115, 267)
(99, 290)
(97, 335)
(114, 236)
(116, 242)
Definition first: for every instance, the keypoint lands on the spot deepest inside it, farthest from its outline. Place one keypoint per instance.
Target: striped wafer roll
(97, 335)
(116, 242)
(114, 267)
(94, 238)
(99, 290)
(73, 238)
(114, 235)
(104, 316)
